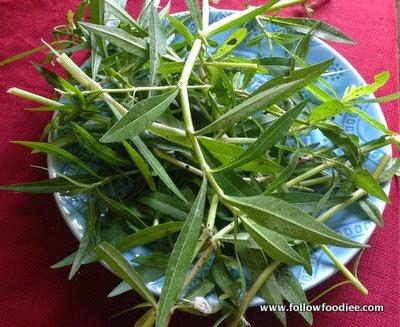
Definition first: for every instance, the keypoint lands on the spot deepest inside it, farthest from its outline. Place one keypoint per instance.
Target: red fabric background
(34, 236)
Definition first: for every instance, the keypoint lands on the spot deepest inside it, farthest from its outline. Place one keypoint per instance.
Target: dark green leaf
(59, 153)
(292, 291)
(147, 235)
(124, 270)
(271, 92)
(181, 257)
(105, 153)
(272, 243)
(278, 129)
(139, 117)
(165, 204)
(119, 38)
(285, 174)
(364, 180)
(372, 211)
(284, 218)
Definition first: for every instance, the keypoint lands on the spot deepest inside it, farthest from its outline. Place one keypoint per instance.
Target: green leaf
(222, 278)
(101, 151)
(123, 16)
(372, 211)
(97, 17)
(390, 172)
(59, 153)
(292, 291)
(193, 6)
(202, 289)
(358, 91)
(226, 152)
(255, 263)
(285, 174)
(230, 43)
(272, 243)
(139, 117)
(327, 110)
(147, 319)
(80, 254)
(238, 18)
(157, 167)
(165, 204)
(183, 30)
(371, 120)
(52, 185)
(147, 235)
(119, 38)
(272, 134)
(307, 201)
(284, 218)
(231, 182)
(304, 252)
(181, 257)
(304, 25)
(120, 209)
(364, 180)
(124, 270)
(157, 44)
(322, 203)
(140, 164)
(273, 91)
(347, 142)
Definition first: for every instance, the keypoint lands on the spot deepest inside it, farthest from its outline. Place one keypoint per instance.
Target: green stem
(254, 289)
(177, 162)
(234, 65)
(33, 97)
(340, 266)
(285, 3)
(187, 117)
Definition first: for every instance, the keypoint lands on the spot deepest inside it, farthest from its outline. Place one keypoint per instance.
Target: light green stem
(176, 162)
(187, 116)
(340, 266)
(251, 293)
(33, 97)
(286, 3)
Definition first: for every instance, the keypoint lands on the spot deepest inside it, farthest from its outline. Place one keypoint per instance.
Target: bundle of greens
(171, 151)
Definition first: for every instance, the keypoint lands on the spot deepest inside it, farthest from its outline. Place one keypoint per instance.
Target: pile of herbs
(172, 151)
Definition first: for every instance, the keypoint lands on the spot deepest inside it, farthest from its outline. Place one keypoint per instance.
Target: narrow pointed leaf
(101, 151)
(123, 16)
(285, 174)
(194, 10)
(271, 92)
(157, 167)
(147, 235)
(119, 38)
(284, 218)
(304, 25)
(165, 204)
(238, 18)
(59, 153)
(226, 152)
(121, 267)
(358, 91)
(272, 243)
(372, 211)
(181, 257)
(139, 117)
(267, 139)
(140, 164)
(292, 291)
(97, 17)
(364, 180)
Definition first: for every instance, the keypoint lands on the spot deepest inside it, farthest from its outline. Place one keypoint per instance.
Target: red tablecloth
(34, 236)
